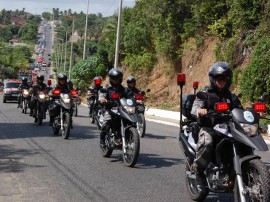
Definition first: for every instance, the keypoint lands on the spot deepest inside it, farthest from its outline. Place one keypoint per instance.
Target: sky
(105, 7)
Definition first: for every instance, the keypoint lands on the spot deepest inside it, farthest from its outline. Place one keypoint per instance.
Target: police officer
(116, 78)
(65, 88)
(22, 86)
(39, 86)
(220, 76)
(131, 86)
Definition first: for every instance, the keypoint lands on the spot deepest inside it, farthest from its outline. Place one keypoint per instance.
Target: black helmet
(131, 79)
(24, 79)
(115, 74)
(220, 69)
(40, 77)
(61, 76)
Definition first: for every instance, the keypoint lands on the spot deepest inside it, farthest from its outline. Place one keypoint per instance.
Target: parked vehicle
(10, 90)
(235, 167)
(123, 133)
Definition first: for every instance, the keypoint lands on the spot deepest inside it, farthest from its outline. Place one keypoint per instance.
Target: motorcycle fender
(133, 118)
(187, 148)
(256, 142)
(239, 161)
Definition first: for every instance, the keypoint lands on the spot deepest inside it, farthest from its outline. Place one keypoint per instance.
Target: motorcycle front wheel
(141, 124)
(25, 105)
(132, 143)
(75, 109)
(256, 179)
(66, 125)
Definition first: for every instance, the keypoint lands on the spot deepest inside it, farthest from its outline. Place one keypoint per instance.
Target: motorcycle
(140, 110)
(123, 134)
(62, 105)
(235, 167)
(25, 100)
(42, 98)
(75, 102)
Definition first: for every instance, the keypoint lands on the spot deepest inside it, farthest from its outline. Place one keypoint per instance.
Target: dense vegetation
(13, 58)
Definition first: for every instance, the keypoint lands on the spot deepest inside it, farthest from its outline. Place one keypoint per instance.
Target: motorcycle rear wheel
(66, 125)
(141, 124)
(106, 151)
(256, 179)
(132, 143)
(194, 192)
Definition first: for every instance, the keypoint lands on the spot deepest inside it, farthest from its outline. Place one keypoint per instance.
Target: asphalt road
(37, 166)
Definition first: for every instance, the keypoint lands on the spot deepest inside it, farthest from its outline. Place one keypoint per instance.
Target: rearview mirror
(264, 98)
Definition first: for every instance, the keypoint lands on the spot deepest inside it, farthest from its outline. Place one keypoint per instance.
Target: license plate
(14, 95)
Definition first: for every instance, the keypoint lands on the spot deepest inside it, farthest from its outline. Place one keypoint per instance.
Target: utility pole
(116, 59)
(85, 30)
(71, 49)
(65, 54)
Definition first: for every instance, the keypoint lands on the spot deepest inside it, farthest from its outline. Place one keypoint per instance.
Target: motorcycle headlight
(26, 92)
(130, 109)
(250, 129)
(42, 96)
(66, 100)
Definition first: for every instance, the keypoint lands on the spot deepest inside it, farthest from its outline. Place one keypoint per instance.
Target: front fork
(237, 168)
(123, 137)
(61, 118)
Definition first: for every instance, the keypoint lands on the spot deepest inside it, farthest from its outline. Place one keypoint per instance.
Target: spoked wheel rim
(132, 143)
(66, 126)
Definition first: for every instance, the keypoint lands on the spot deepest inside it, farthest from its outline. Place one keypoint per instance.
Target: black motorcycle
(235, 167)
(123, 133)
(62, 106)
(140, 110)
(25, 99)
(40, 111)
(75, 102)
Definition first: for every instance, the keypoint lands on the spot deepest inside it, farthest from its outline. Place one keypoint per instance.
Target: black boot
(31, 113)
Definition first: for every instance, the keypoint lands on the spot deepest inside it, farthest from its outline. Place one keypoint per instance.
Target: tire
(55, 127)
(66, 125)
(40, 116)
(25, 106)
(4, 100)
(256, 177)
(141, 124)
(106, 151)
(76, 109)
(132, 139)
(193, 191)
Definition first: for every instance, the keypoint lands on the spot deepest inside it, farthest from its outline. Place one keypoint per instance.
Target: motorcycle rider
(131, 86)
(104, 98)
(39, 86)
(63, 85)
(22, 86)
(92, 91)
(220, 77)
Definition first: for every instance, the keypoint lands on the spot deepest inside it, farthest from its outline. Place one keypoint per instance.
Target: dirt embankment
(162, 81)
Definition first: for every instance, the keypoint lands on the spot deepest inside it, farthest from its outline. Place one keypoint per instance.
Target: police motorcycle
(75, 103)
(62, 111)
(123, 134)
(235, 167)
(140, 110)
(25, 100)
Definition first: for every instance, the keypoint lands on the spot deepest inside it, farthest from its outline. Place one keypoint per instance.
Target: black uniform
(35, 89)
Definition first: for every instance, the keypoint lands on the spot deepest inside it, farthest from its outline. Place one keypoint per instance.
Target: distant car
(51, 76)
(10, 91)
